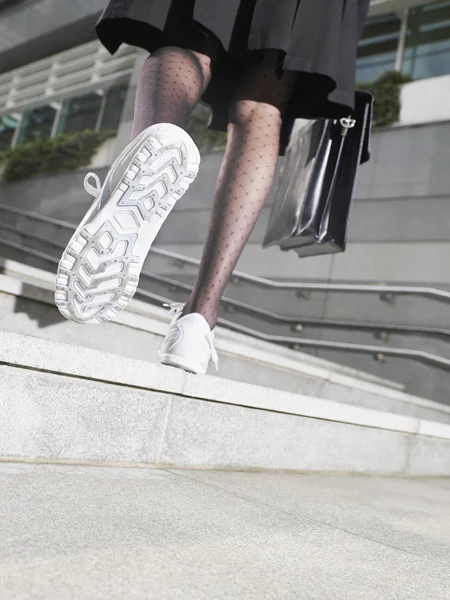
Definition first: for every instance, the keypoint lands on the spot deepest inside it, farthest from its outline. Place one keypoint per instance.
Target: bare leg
(171, 83)
(244, 181)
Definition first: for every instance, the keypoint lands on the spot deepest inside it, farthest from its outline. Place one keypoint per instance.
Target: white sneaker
(189, 344)
(99, 270)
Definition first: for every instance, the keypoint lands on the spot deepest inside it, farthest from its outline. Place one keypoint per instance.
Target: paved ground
(87, 533)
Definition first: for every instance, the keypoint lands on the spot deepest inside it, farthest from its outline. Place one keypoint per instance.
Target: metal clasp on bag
(346, 124)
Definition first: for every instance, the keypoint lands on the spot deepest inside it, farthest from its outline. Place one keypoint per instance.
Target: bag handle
(346, 124)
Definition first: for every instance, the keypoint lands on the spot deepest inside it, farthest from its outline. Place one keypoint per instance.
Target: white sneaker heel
(189, 343)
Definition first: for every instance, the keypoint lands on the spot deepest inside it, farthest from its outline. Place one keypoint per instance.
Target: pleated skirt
(316, 38)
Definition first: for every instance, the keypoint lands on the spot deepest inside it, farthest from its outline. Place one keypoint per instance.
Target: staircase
(419, 349)
(70, 404)
(100, 398)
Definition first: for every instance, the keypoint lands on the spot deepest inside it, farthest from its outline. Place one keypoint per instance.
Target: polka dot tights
(168, 91)
(170, 85)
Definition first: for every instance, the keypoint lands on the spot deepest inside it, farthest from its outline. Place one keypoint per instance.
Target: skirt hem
(317, 94)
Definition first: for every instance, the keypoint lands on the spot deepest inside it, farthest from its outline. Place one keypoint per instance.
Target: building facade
(55, 77)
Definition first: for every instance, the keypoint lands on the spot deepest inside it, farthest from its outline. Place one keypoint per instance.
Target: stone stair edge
(140, 315)
(51, 357)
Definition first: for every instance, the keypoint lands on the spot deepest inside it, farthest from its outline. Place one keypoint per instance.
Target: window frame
(403, 15)
(58, 106)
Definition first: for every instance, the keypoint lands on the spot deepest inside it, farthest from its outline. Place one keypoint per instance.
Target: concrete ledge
(147, 317)
(294, 371)
(58, 418)
(64, 403)
(204, 434)
(34, 353)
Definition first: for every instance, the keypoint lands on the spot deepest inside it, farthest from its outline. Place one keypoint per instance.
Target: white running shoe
(189, 344)
(99, 270)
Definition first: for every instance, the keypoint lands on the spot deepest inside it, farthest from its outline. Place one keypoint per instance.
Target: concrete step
(60, 402)
(421, 378)
(78, 533)
(26, 306)
(34, 284)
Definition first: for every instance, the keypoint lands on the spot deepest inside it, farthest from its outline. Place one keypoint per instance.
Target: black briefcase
(312, 205)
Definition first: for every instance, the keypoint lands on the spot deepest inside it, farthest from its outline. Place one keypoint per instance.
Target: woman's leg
(244, 181)
(171, 83)
(99, 270)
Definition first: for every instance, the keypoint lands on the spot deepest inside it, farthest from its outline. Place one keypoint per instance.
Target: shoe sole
(99, 271)
(170, 360)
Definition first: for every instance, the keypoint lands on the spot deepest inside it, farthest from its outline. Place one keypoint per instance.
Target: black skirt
(316, 38)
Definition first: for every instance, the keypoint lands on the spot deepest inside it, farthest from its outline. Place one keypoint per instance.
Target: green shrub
(62, 153)
(206, 139)
(386, 90)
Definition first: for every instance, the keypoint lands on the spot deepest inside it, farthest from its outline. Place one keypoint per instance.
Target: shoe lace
(93, 190)
(175, 308)
(175, 311)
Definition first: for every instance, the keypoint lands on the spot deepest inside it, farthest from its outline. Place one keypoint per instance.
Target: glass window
(8, 126)
(377, 50)
(115, 99)
(80, 113)
(427, 48)
(36, 124)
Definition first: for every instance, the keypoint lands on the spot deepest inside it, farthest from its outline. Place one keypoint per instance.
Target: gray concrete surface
(69, 403)
(105, 534)
(47, 416)
(40, 318)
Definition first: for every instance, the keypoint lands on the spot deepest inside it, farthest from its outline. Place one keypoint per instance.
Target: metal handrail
(385, 291)
(37, 217)
(320, 287)
(307, 321)
(229, 303)
(378, 352)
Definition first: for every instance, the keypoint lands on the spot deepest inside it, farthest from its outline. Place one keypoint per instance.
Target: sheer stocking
(244, 181)
(171, 83)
